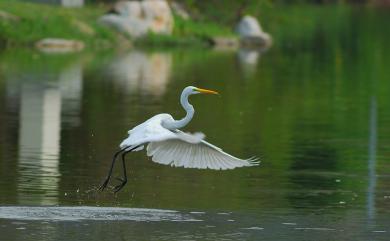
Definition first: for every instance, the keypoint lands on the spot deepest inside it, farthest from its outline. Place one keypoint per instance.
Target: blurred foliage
(208, 20)
(39, 21)
(187, 33)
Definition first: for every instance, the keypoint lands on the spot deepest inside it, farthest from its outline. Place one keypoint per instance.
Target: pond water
(315, 108)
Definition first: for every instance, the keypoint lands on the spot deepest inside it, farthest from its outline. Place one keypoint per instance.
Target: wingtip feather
(253, 161)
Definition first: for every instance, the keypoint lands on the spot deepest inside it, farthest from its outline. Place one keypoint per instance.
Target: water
(315, 108)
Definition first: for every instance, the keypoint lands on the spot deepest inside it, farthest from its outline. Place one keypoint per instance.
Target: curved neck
(176, 124)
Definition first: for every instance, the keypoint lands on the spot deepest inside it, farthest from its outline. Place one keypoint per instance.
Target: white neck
(176, 124)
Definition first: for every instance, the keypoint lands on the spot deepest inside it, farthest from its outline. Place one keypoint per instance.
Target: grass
(187, 33)
(39, 21)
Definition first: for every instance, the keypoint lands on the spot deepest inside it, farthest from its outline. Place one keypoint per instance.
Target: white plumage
(179, 149)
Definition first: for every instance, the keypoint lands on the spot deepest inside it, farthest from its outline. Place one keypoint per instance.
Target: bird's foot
(118, 187)
(104, 184)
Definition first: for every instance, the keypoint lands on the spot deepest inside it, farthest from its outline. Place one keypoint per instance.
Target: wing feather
(202, 155)
(177, 148)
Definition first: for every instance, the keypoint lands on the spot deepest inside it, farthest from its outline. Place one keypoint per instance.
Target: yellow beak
(204, 91)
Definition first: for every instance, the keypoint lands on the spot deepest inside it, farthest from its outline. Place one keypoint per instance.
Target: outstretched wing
(191, 151)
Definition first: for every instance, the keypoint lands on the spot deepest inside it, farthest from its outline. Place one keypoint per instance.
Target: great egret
(166, 144)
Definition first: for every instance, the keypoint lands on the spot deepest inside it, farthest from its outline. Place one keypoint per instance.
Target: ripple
(254, 228)
(92, 213)
(318, 229)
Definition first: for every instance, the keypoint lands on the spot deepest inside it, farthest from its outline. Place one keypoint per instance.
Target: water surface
(315, 108)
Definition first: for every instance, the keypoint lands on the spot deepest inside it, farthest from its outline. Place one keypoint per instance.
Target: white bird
(166, 144)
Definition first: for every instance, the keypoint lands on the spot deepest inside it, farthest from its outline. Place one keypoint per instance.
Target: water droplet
(289, 223)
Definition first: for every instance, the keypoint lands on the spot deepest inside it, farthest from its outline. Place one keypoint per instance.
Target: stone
(249, 27)
(83, 27)
(179, 10)
(55, 45)
(128, 9)
(8, 17)
(224, 43)
(131, 26)
(137, 18)
(251, 33)
(159, 15)
(263, 41)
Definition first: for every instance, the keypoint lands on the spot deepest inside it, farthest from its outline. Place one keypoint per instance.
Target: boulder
(128, 9)
(55, 45)
(137, 18)
(251, 33)
(132, 26)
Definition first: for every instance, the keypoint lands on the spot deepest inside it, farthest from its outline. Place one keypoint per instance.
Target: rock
(179, 10)
(54, 45)
(137, 18)
(132, 26)
(8, 17)
(83, 27)
(264, 41)
(128, 9)
(251, 33)
(159, 15)
(249, 27)
(224, 43)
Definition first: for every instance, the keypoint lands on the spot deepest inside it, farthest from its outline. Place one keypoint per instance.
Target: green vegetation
(37, 21)
(188, 33)
(284, 22)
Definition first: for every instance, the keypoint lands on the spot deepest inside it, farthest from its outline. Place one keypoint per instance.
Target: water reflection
(372, 162)
(70, 84)
(50, 99)
(248, 60)
(44, 99)
(39, 143)
(137, 71)
(308, 118)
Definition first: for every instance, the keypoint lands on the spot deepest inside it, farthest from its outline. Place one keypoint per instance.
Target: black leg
(105, 183)
(124, 180)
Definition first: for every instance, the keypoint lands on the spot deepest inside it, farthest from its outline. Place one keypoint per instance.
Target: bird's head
(191, 90)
